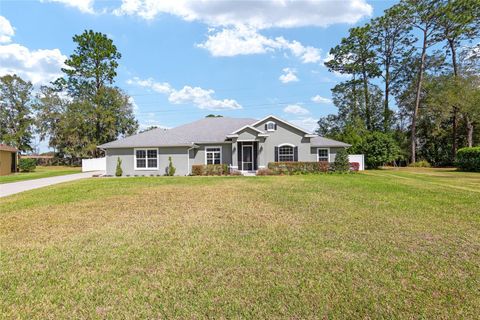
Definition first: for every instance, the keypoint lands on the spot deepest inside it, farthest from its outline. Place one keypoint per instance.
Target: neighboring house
(8, 159)
(243, 144)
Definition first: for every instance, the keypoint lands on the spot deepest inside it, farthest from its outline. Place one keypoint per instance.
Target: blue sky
(182, 60)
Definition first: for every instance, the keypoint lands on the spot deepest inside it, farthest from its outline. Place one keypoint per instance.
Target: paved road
(7, 189)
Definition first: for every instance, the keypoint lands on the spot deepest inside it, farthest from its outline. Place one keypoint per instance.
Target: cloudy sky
(182, 60)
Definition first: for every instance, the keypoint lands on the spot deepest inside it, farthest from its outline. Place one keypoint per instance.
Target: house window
(270, 126)
(146, 159)
(213, 155)
(286, 153)
(322, 155)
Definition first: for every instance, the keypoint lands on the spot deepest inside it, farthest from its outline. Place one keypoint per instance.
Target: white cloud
(245, 40)
(201, 98)
(161, 87)
(296, 109)
(38, 66)
(6, 30)
(258, 14)
(240, 40)
(308, 123)
(85, 6)
(319, 99)
(289, 75)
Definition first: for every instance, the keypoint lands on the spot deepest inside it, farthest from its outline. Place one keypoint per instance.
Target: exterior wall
(178, 154)
(197, 155)
(332, 153)
(247, 135)
(283, 134)
(5, 163)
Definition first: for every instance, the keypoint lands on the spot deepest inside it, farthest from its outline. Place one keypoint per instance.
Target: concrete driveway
(7, 189)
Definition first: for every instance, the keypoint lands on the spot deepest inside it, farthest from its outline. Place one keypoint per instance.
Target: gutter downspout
(188, 158)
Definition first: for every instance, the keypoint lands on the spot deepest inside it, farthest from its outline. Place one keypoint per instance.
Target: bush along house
(244, 145)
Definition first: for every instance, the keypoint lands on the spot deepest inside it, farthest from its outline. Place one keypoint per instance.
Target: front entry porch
(247, 156)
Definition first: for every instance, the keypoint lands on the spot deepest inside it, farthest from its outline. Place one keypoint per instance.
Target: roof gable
(272, 117)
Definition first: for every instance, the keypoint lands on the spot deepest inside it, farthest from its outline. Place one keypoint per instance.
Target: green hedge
(27, 165)
(210, 169)
(299, 167)
(468, 159)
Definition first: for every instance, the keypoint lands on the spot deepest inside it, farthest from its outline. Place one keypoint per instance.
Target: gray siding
(283, 134)
(197, 156)
(247, 135)
(332, 153)
(178, 154)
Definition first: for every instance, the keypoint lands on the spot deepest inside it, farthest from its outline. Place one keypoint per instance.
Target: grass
(40, 172)
(384, 244)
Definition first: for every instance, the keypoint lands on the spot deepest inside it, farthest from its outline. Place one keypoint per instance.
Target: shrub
(171, 168)
(264, 172)
(379, 148)
(341, 163)
(468, 159)
(420, 164)
(118, 170)
(299, 167)
(354, 166)
(210, 169)
(27, 165)
(198, 170)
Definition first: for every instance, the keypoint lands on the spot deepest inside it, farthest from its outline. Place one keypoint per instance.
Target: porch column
(235, 154)
(261, 154)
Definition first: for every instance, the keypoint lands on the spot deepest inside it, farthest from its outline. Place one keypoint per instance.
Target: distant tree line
(420, 55)
(76, 112)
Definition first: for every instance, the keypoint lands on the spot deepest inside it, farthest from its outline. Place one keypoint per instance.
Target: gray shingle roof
(211, 129)
(325, 142)
(203, 130)
(206, 130)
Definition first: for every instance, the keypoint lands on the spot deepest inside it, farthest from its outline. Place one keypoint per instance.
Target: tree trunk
(454, 134)
(451, 43)
(454, 56)
(354, 92)
(469, 132)
(417, 98)
(368, 114)
(386, 111)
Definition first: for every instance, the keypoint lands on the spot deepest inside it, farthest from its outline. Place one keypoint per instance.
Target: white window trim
(267, 123)
(328, 154)
(221, 153)
(286, 144)
(146, 159)
(283, 145)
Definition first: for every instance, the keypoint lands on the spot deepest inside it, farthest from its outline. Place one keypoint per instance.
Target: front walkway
(7, 189)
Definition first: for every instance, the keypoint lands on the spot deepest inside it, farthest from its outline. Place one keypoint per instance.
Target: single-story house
(243, 144)
(8, 159)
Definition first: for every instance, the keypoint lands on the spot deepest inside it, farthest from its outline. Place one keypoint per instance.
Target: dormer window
(270, 126)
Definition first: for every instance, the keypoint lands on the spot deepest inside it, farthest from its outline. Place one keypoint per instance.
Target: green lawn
(383, 244)
(40, 172)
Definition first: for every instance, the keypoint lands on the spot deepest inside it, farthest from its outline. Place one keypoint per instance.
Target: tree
(424, 15)
(393, 47)
(50, 106)
(15, 112)
(94, 112)
(378, 147)
(355, 56)
(458, 21)
(93, 63)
